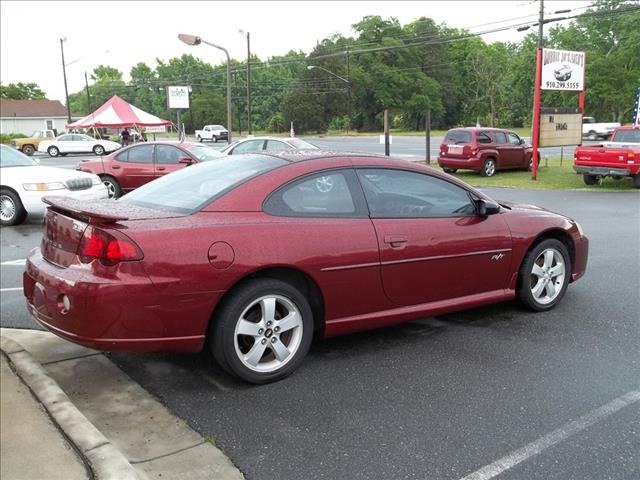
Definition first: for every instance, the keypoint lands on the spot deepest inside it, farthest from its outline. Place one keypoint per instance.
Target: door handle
(115, 167)
(396, 241)
(162, 168)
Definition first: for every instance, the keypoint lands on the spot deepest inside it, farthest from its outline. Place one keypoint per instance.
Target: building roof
(32, 108)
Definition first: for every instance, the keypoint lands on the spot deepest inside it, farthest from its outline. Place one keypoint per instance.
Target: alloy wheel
(7, 208)
(547, 276)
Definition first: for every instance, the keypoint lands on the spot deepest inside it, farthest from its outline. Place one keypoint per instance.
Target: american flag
(635, 115)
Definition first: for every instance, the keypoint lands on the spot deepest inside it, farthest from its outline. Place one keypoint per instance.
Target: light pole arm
(229, 119)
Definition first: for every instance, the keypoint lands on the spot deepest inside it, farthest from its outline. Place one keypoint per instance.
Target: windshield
(36, 134)
(203, 153)
(301, 144)
(190, 189)
(10, 157)
(628, 136)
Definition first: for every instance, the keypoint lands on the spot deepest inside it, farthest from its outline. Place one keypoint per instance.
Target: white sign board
(562, 70)
(158, 129)
(178, 97)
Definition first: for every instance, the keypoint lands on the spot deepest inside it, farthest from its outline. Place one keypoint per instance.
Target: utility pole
(248, 85)
(349, 84)
(541, 25)
(427, 135)
(64, 74)
(86, 84)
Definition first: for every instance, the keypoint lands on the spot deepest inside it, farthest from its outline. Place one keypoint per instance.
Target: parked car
(253, 255)
(23, 183)
(212, 133)
(133, 166)
(563, 73)
(77, 143)
(617, 158)
(30, 144)
(257, 144)
(485, 150)
(593, 130)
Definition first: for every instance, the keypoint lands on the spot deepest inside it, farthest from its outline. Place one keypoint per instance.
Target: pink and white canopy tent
(116, 113)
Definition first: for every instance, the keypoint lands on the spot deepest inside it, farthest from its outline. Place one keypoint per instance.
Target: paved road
(439, 398)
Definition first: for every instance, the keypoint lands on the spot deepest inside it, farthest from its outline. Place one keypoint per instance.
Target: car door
(83, 144)
(65, 144)
(134, 166)
(433, 245)
(248, 146)
(167, 159)
(516, 151)
(505, 153)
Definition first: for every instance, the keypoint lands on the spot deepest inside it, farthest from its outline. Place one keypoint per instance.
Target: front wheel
(592, 135)
(199, 138)
(544, 275)
(591, 179)
(262, 332)
(489, 168)
(12, 211)
(53, 151)
(113, 187)
(214, 139)
(98, 150)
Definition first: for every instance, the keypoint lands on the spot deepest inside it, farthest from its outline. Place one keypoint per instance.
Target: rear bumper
(472, 163)
(121, 312)
(603, 171)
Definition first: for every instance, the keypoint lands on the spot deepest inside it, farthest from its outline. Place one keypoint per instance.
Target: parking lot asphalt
(495, 391)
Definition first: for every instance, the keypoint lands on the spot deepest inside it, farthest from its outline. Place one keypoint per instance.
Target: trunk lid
(66, 221)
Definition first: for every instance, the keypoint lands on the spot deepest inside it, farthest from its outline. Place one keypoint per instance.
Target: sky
(123, 33)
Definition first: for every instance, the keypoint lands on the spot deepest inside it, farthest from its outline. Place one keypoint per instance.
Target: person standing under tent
(125, 136)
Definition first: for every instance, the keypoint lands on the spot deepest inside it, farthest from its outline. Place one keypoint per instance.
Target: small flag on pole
(635, 115)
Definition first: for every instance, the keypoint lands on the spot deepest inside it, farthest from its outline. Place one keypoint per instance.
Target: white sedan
(77, 143)
(23, 183)
(257, 144)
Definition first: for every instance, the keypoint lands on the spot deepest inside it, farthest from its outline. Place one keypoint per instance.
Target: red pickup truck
(619, 157)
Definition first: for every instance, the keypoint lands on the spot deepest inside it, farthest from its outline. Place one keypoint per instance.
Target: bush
(7, 137)
(276, 123)
(339, 123)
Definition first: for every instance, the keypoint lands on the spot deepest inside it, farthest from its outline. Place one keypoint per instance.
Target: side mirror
(522, 142)
(186, 160)
(486, 208)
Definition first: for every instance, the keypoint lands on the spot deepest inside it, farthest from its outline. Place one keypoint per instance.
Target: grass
(551, 176)
(210, 439)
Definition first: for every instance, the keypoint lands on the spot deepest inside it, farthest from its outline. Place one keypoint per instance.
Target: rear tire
(591, 179)
(592, 135)
(28, 150)
(53, 151)
(489, 168)
(12, 211)
(262, 332)
(98, 150)
(199, 138)
(636, 180)
(113, 187)
(544, 275)
(449, 170)
(214, 139)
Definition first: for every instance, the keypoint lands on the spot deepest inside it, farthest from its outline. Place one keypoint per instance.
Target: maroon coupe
(255, 254)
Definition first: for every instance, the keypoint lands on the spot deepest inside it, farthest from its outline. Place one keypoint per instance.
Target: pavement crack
(71, 358)
(137, 462)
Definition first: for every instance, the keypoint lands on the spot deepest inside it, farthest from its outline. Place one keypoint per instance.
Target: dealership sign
(178, 97)
(562, 70)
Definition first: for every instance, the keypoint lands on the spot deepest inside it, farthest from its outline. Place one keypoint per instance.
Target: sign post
(177, 98)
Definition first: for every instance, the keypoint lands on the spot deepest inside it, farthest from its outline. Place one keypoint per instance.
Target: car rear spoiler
(93, 211)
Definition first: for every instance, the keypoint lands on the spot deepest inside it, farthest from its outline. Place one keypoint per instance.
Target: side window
(483, 137)
(167, 154)
(277, 145)
(141, 154)
(123, 156)
(404, 194)
(324, 194)
(248, 146)
(514, 139)
(500, 137)
(65, 138)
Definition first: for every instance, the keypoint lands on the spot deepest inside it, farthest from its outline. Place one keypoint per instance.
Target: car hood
(39, 174)
(531, 209)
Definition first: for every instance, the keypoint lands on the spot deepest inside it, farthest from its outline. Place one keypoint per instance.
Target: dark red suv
(484, 150)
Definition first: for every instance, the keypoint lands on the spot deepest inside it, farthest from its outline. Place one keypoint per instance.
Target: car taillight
(109, 248)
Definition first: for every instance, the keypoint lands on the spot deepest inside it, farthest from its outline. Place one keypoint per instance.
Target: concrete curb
(104, 459)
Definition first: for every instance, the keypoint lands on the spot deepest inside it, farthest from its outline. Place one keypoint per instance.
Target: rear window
(458, 136)
(301, 144)
(631, 136)
(191, 188)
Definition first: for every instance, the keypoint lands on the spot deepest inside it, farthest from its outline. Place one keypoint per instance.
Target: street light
(195, 40)
(311, 67)
(242, 32)
(64, 74)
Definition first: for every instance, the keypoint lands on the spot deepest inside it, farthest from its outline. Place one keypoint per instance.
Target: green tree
(21, 91)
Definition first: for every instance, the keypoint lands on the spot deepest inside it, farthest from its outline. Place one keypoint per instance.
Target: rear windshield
(193, 187)
(630, 136)
(301, 144)
(458, 136)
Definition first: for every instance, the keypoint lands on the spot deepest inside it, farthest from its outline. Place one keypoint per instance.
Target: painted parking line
(18, 263)
(538, 446)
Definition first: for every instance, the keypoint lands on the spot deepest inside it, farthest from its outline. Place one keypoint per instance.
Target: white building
(25, 116)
